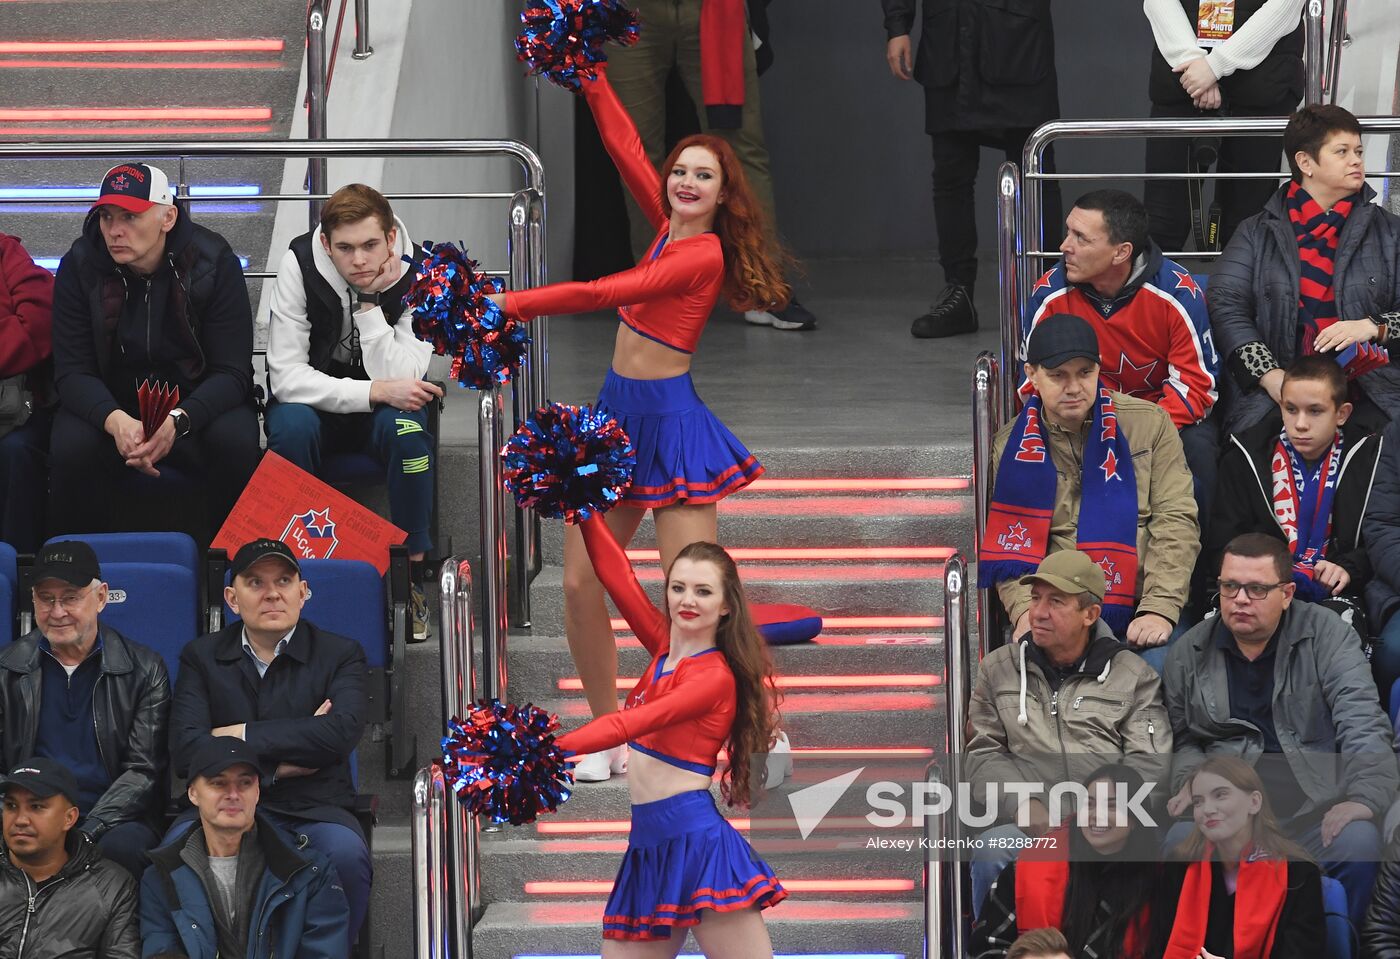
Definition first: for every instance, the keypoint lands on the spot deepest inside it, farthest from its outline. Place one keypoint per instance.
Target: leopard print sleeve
(1250, 362)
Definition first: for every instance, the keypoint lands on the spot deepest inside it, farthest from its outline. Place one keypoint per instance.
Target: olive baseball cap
(1069, 571)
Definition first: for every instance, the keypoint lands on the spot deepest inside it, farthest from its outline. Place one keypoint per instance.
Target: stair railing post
(957, 693)
(458, 651)
(1337, 38)
(362, 51)
(1312, 52)
(316, 102)
(494, 587)
(985, 423)
(430, 898)
(1009, 280)
(525, 543)
(539, 341)
(935, 873)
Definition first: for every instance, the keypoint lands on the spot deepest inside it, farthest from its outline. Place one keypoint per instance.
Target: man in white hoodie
(345, 371)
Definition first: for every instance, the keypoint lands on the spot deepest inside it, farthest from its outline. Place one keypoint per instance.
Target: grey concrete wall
(850, 157)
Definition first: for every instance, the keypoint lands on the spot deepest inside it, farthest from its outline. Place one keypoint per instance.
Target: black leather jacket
(130, 711)
(87, 912)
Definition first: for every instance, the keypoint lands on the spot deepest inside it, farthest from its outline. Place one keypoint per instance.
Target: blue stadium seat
(9, 590)
(177, 549)
(1341, 938)
(154, 604)
(1395, 703)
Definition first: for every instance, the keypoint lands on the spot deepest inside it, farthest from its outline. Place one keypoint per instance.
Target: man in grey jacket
(58, 896)
(1052, 707)
(1286, 686)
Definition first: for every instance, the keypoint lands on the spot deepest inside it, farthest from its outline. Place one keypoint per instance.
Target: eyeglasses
(1252, 590)
(66, 601)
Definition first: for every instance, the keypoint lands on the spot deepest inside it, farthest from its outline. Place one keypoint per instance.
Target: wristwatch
(182, 423)
(362, 297)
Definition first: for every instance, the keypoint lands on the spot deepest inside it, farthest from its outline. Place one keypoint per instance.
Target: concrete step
(798, 926)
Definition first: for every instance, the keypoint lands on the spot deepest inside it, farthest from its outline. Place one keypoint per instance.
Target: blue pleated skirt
(684, 453)
(684, 857)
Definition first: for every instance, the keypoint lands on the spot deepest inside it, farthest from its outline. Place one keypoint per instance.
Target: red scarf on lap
(1260, 889)
(724, 29)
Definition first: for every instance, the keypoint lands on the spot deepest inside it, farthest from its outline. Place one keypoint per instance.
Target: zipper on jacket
(148, 319)
(1151, 735)
(1054, 702)
(32, 908)
(97, 732)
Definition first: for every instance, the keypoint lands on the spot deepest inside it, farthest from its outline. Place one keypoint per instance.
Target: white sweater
(390, 353)
(1247, 47)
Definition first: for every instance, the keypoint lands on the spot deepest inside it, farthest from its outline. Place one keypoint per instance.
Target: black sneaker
(794, 316)
(952, 315)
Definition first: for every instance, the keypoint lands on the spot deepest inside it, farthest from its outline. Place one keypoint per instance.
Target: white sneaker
(760, 317)
(599, 767)
(778, 763)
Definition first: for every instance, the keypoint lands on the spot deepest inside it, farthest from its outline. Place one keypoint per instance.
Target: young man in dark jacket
(296, 695)
(1308, 482)
(146, 294)
(26, 394)
(81, 693)
(58, 897)
(235, 886)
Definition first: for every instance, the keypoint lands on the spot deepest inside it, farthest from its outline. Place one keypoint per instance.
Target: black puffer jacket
(984, 64)
(206, 323)
(88, 911)
(1253, 298)
(131, 712)
(1380, 937)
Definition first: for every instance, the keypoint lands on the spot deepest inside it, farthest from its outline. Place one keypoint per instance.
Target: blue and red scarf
(1303, 508)
(1018, 523)
(1317, 231)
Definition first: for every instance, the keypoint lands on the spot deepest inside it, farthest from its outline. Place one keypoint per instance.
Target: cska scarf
(1042, 880)
(1023, 501)
(1260, 890)
(723, 32)
(1317, 231)
(1303, 508)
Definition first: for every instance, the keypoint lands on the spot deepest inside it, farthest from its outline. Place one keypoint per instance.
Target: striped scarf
(1317, 231)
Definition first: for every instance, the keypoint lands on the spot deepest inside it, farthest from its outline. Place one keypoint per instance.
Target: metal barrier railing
(1313, 65)
(986, 420)
(431, 902)
(317, 15)
(527, 268)
(1336, 39)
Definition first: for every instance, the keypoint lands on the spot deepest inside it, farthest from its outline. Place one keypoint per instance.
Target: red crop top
(669, 296)
(680, 713)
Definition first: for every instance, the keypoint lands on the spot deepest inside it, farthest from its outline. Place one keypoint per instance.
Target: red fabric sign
(317, 521)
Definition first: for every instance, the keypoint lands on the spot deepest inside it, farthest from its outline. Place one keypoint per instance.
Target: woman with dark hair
(1247, 892)
(1317, 271)
(709, 687)
(1097, 891)
(711, 241)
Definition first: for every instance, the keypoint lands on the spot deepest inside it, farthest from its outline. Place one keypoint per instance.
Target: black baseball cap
(43, 777)
(70, 560)
(250, 553)
(1059, 338)
(134, 186)
(218, 753)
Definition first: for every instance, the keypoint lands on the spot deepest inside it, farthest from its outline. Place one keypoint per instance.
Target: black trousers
(956, 156)
(89, 480)
(1167, 201)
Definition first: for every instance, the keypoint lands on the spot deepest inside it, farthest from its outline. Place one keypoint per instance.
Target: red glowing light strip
(604, 886)
(269, 45)
(72, 132)
(921, 483)
(848, 622)
(140, 65)
(46, 114)
(753, 553)
(899, 680)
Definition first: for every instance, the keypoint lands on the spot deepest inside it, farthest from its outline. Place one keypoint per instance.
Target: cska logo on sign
(1016, 539)
(312, 534)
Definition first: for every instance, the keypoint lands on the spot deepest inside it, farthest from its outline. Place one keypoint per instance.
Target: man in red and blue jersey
(1150, 316)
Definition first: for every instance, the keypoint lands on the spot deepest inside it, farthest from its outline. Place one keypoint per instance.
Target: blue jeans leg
(1385, 661)
(988, 862)
(401, 442)
(1351, 860)
(294, 433)
(1156, 656)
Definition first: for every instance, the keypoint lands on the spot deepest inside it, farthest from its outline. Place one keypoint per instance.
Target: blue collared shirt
(276, 650)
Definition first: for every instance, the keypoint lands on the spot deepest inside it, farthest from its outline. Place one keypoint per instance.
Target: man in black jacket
(988, 73)
(296, 694)
(145, 294)
(83, 694)
(58, 896)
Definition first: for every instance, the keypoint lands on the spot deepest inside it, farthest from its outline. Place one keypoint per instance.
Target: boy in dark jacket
(143, 294)
(1308, 483)
(234, 886)
(58, 897)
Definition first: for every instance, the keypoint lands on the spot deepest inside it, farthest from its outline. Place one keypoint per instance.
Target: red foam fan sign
(317, 521)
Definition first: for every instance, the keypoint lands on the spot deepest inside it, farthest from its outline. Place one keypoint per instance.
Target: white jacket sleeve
(1175, 35)
(1173, 31)
(290, 374)
(392, 353)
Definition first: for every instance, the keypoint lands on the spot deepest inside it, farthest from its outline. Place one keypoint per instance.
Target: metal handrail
(526, 236)
(362, 51)
(986, 396)
(935, 876)
(957, 693)
(1336, 39)
(494, 615)
(316, 79)
(459, 690)
(1009, 281)
(1312, 52)
(428, 835)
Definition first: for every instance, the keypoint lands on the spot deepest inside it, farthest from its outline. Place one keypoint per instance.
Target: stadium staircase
(864, 546)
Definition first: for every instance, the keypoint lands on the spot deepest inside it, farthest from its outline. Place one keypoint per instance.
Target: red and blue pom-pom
(502, 762)
(451, 311)
(563, 39)
(569, 461)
